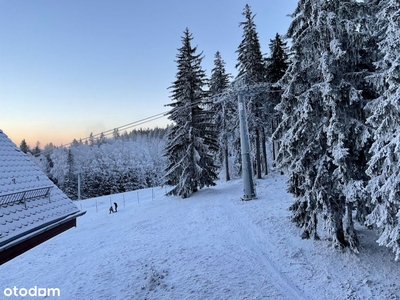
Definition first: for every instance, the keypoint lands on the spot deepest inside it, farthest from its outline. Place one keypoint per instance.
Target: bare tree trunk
(264, 151)
(336, 214)
(258, 154)
(226, 154)
(272, 141)
(350, 233)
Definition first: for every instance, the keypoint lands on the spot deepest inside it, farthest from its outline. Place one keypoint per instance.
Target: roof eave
(28, 241)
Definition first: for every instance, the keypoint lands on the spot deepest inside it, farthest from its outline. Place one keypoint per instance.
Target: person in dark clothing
(116, 206)
(111, 209)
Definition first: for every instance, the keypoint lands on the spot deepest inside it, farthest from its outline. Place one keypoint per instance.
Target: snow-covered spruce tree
(70, 181)
(116, 134)
(276, 66)
(24, 146)
(219, 82)
(193, 139)
(384, 165)
(91, 139)
(251, 62)
(324, 140)
(101, 139)
(36, 150)
(278, 60)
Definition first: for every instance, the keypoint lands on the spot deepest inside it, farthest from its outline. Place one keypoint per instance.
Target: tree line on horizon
(332, 105)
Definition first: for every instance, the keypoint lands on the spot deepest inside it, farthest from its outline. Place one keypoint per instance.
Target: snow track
(250, 235)
(210, 246)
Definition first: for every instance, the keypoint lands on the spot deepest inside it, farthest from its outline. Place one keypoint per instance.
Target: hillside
(209, 246)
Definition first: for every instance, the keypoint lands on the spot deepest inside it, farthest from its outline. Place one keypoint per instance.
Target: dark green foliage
(276, 65)
(24, 146)
(278, 61)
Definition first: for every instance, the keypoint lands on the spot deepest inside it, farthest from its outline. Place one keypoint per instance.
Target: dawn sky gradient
(69, 68)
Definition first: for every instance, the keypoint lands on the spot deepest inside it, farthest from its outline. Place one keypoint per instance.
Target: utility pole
(240, 87)
(248, 185)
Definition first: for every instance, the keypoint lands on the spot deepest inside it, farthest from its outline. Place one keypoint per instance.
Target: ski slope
(209, 246)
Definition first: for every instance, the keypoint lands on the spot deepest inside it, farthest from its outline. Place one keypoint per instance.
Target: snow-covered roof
(30, 203)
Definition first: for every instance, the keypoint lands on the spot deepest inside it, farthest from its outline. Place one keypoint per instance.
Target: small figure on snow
(116, 206)
(111, 209)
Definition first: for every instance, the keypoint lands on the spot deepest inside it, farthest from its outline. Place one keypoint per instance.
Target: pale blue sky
(71, 67)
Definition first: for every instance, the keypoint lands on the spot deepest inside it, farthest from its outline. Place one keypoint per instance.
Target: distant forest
(105, 165)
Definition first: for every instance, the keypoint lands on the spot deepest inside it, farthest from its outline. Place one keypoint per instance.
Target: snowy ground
(209, 246)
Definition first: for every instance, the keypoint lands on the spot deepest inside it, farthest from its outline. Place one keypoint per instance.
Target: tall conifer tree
(276, 66)
(24, 146)
(384, 165)
(70, 181)
(193, 139)
(251, 63)
(278, 61)
(223, 110)
(324, 137)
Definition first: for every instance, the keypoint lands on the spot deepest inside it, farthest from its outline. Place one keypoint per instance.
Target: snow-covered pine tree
(193, 139)
(219, 82)
(24, 146)
(70, 181)
(384, 165)
(116, 134)
(251, 62)
(278, 60)
(101, 139)
(324, 139)
(36, 150)
(91, 139)
(276, 66)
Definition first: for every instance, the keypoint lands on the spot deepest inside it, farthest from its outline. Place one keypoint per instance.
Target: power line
(124, 127)
(130, 125)
(111, 131)
(228, 94)
(134, 124)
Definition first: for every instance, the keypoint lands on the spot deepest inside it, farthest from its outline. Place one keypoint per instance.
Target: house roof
(30, 203)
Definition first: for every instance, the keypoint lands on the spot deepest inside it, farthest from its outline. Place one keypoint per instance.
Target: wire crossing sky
(69, 68)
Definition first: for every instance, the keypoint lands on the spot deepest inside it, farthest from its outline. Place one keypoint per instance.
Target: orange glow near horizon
(62, 135)
(32, 137)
